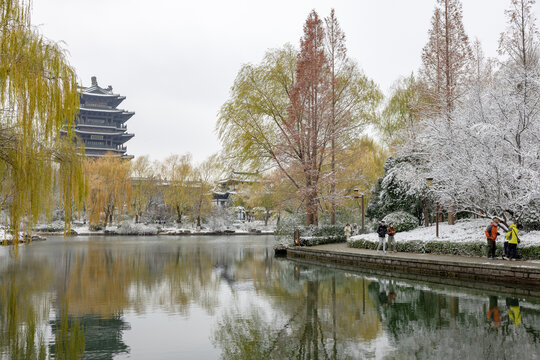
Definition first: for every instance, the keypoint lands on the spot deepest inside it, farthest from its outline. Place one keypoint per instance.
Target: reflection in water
(69, 336)
(79, 299)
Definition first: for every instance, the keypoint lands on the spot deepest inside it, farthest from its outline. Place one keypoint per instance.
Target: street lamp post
(429, 182)
(357, 196)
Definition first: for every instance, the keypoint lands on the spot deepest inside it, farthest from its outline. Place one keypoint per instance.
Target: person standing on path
(491, 235)
(513, 239)
(381, 230)
(391, 241)
(347, 231)
(355, 229)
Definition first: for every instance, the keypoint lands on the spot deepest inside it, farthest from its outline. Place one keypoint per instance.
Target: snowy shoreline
(164, 233)
(134, 229)
(462, 231)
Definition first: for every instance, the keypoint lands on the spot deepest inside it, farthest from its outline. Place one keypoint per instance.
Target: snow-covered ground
(463, 231)
(4, 235)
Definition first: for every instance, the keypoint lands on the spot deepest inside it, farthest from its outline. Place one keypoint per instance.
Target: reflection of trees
(97, 283)
(315, 314)
(22, 309)
(107, 281)
(281, 309)
(429, 324)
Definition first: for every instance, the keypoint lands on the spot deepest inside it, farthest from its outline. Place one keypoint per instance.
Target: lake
(228, 297)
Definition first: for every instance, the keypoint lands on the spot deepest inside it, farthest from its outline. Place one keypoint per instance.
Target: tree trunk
(452, 217)
(136, 218)
(107, 215)
(198, 221)
(311, 207)
(426, 212)
(178, 215)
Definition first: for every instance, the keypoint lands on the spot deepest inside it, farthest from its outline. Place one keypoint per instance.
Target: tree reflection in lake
(311, 312)
(62, 298)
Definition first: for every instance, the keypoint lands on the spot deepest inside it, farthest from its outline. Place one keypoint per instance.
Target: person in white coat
(347, 231)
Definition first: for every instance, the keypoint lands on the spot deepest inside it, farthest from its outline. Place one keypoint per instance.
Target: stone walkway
(471, 268)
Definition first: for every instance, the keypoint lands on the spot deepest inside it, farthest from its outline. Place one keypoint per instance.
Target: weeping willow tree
(38, 99)
(109, 188)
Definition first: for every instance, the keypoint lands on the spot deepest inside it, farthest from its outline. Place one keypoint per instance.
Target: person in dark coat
(391, 241)
(381, 230)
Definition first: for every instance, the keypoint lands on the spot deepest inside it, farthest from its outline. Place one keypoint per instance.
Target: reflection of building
(100, 125)
(228, 186)
(103, 337)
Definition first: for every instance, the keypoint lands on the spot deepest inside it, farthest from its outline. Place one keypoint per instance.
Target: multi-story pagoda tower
(100, 125)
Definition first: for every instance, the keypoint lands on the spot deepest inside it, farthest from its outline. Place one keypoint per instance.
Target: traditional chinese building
(100, 125)
(227, 187)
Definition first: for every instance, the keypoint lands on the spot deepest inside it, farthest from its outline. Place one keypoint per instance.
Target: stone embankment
(471, 268)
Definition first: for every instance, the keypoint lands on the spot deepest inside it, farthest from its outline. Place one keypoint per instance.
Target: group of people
(382, 230)
(511, 240)
(492, 232)
(351, 231)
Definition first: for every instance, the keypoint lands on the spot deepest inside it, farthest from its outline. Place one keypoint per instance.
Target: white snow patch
(462, 231)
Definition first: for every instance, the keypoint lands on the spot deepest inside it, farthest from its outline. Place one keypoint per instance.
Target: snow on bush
(129, 228)
(401, 220)
(55, 226)
(220, 219)
(309, 235)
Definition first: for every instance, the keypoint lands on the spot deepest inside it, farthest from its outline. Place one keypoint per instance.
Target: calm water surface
(229, 298)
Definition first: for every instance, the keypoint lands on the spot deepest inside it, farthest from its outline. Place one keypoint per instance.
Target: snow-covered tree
(393, 192)
(486, 160)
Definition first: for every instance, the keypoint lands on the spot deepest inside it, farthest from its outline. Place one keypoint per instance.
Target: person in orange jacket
(491, 235)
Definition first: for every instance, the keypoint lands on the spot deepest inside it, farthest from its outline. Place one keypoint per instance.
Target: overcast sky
(176, 60)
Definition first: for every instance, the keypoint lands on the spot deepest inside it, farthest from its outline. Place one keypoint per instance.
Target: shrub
(287, 225)
(129, 228)
(320, 240)
(56, 226)
(310, 235)
(95, 227)
(402, 221)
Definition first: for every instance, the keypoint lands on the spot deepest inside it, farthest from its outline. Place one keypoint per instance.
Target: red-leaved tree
(308, 123)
